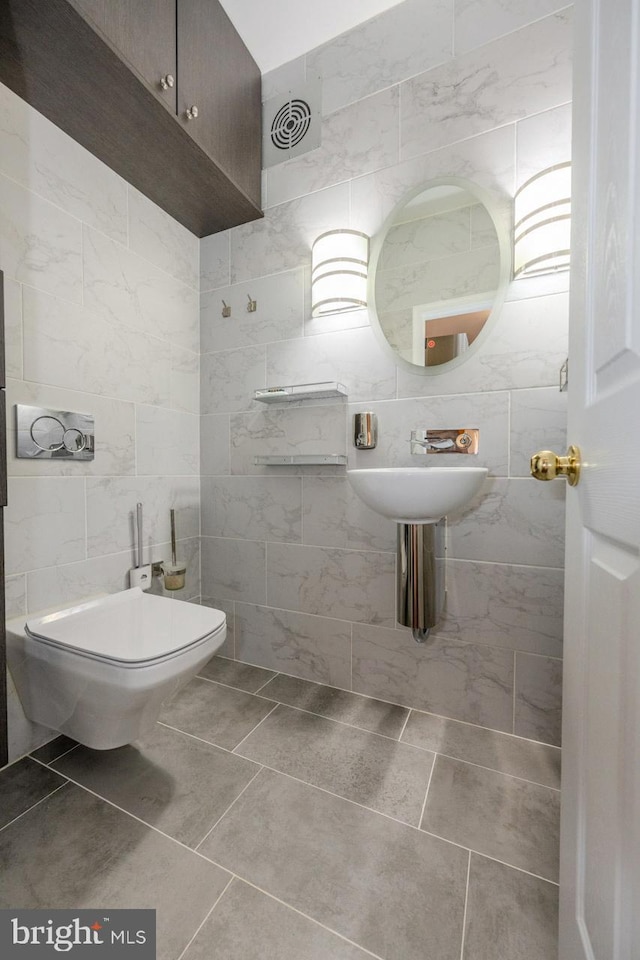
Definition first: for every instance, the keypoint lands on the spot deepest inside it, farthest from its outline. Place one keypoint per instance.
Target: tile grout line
(307, 916)
(426, 793)
(196, 849)
(352, 726)
(466, 904)
(266, 684)
(230, 686)
(36, 804)
(149, 826)
(404, 727)
(217, 901)
(381, 813)
(49, 763)
(266, 716)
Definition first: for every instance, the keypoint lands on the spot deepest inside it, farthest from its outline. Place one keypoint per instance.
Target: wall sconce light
(339, 261)
(542, 232)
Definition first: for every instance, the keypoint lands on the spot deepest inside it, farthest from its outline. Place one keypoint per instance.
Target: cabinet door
(144, 33)
(218, 75)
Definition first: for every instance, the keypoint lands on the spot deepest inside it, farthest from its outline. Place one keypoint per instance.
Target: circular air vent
(290, 124)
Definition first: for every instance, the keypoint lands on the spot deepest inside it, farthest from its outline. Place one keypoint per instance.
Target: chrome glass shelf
(301, 391)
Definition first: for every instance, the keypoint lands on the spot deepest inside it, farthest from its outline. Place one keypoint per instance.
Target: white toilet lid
(130, 627)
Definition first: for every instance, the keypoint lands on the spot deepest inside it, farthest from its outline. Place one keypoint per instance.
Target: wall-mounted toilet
(100, 671)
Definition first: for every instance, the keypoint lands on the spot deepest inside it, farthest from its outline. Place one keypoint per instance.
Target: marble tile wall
(304, 570)
(102, 317)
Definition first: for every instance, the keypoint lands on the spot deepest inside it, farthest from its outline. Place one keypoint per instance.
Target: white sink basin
(417, 494)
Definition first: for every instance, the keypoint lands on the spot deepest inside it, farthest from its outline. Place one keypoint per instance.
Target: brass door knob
(546, 465)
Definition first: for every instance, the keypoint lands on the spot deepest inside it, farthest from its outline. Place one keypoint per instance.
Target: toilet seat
(128, 629)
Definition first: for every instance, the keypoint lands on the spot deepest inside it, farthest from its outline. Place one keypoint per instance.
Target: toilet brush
(174, 572)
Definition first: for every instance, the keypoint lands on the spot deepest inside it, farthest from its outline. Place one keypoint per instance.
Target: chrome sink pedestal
(420, 576)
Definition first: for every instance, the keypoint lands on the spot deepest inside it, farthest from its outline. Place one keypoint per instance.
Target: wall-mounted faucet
(444, 441)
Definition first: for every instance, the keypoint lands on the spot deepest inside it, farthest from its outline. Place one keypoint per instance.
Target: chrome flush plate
(54, 434)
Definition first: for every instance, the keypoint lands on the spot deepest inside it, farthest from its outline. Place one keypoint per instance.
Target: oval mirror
(439, 273)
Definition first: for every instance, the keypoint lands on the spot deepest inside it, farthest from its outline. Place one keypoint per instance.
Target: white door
(600, 845)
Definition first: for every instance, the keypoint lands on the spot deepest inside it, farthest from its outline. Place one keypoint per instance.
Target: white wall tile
(44, 522)
(355, 140)
(66, 346)
(464, 681)
(40, 156)
(279, 312)
(111, 507)
(283, 239)
(70, 582)
(287, 431)
(39, 243)
(313, 648)
(123, 288)
(542, 141)
(518, 75)
(13, 328)
(234, 569)
(478, 23)
(15, 596)
(114, 432)
(348, 584)
(353, 358)
(159, 238)
(229, 379)
(167, 442)
(214, 445)
(503, 605)
(398, 43)
(214, 261)
(486, 159)
(331, 322)
(184, 393)
(511, 521)
(335, 516)
(538, 422)
(538, 698)
(487, 412)
(252, 508)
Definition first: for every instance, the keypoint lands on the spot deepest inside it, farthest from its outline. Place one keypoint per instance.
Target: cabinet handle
(166, 81)
(192, 112)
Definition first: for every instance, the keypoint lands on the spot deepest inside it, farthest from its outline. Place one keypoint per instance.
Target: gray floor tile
(215, 713)
(21, 785)
(495, 814)
(176, 783)
(510, 915)
(374, 715)
(54, 749)
(500, 751)
(235, 674)
(75, 850)
(248, 925)
(384, 885)
(380, 773)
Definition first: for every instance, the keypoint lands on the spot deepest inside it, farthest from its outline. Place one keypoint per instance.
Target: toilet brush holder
(174, 575)
(174, 572)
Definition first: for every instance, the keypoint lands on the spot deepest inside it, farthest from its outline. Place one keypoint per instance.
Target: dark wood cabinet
(144, 33)
(218, 75)
(75, 71)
